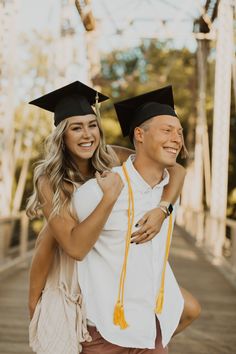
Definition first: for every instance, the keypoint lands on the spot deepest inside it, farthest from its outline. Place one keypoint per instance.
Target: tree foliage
(155, 64)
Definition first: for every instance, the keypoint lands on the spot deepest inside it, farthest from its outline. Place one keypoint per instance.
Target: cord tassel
(117, 314)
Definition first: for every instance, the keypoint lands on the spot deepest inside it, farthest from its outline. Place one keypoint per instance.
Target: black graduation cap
(71, 100)
(136, 110)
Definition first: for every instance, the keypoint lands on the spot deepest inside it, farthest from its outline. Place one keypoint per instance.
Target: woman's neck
(85, 168)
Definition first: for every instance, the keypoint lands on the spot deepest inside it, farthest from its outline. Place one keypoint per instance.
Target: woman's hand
(110, 183)
(150, 225)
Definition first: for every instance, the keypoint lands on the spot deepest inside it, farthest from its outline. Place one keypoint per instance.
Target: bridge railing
(204, 229)
(15, 243)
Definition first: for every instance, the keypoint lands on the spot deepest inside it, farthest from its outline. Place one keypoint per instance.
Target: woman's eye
(76, 128)
(93, 125)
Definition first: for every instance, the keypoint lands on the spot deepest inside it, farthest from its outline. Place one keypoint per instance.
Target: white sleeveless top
(58, 325)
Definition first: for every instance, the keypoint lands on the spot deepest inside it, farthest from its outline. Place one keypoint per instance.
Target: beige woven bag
(59, 322)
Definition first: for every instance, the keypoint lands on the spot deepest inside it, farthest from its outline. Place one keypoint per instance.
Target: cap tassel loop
(160, 298)
(119, 313)
(98, 114)
(97, 109)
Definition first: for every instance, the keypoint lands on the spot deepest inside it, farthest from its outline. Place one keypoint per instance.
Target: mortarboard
(134, 111)
(71, 100)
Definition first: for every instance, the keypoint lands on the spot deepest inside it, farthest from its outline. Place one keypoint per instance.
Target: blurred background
(124, 48)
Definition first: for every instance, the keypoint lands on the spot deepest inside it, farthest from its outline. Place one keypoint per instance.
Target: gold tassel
(117, 313)
(119, 316)
(123, 324)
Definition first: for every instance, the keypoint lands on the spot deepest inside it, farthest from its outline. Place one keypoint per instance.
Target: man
(132, 298)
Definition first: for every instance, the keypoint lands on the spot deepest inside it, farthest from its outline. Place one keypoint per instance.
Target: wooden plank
(213, 333)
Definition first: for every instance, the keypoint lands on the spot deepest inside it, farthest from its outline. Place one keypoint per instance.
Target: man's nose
(177, 137)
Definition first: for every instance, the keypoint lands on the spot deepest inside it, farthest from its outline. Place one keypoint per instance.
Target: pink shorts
(99, 345)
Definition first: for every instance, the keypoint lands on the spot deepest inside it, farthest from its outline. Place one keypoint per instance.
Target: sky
(121, 23)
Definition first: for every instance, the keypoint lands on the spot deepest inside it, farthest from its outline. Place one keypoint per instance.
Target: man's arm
(122, 152)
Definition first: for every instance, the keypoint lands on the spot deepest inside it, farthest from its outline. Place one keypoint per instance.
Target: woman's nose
(86, 132)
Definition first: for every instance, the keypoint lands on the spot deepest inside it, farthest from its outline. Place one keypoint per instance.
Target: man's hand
(149, 226)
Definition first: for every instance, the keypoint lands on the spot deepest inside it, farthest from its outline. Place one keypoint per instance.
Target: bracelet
(167, 207)
(164, 209)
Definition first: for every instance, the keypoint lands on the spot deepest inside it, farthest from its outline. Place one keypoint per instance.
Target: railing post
(24, 221)
(233, 239)
(200, 228)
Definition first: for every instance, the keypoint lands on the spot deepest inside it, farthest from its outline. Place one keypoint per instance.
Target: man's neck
(150, 171)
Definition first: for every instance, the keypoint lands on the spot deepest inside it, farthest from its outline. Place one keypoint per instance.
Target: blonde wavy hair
(59, 168)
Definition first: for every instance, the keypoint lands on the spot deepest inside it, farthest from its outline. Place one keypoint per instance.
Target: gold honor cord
(119, 315)
(160, 298)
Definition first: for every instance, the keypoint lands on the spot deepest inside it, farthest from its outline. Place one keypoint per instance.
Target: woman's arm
(152, 221)
(76, 239)
(177, 173)
(122, 152)
(40, 266)
(173, 189)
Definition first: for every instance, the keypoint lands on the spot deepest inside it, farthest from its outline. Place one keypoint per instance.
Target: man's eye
(166, 130)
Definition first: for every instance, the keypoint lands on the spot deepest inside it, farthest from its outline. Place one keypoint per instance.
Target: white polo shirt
(99, 272)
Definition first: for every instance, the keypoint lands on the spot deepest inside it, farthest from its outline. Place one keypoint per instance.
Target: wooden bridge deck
(213, 333)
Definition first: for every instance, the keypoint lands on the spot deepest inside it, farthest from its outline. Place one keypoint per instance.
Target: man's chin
(170, 162)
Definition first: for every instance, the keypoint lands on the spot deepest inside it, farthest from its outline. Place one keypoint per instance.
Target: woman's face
(82, 136)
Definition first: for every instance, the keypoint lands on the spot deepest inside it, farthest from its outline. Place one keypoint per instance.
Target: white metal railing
(204, 229)
(11, 256)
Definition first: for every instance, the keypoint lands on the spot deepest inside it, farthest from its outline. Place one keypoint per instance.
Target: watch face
(170, 208)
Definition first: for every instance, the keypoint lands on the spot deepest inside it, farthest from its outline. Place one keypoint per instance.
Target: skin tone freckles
(82, 137)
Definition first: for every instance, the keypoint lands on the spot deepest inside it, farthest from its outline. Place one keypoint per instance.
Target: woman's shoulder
(46, 190)
(44, 186)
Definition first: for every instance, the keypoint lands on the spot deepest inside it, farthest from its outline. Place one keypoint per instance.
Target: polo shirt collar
(138, 180)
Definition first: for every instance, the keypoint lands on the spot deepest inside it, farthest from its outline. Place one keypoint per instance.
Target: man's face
(162, 139)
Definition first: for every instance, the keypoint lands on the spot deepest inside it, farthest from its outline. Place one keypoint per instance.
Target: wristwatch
(166, 207)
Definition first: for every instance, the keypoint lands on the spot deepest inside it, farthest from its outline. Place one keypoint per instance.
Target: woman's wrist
(109, 198)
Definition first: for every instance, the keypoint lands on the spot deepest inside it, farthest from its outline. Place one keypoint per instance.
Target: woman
(76, 151)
